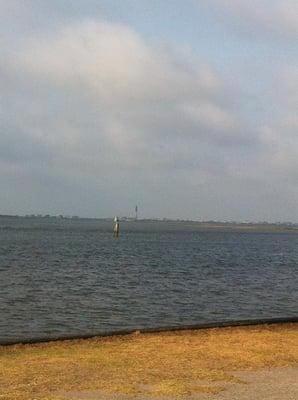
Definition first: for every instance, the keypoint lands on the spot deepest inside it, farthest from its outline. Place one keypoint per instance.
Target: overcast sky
(187, 108)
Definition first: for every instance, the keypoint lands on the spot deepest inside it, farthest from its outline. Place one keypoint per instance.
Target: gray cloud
(265, 18)
(134, 93)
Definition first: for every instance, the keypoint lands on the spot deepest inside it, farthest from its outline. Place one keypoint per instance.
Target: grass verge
(161, 364)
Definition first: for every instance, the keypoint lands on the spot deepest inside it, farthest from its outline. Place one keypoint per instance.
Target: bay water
(71, 277)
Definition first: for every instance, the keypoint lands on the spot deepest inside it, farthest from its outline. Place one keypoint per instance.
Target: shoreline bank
(124, 332)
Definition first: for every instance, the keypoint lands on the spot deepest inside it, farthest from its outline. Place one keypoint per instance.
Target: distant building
(136, 210)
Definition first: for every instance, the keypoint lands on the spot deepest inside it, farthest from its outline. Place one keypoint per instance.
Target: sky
(186, 108)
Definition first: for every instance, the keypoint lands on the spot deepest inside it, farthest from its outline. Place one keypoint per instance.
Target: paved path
(270, 384)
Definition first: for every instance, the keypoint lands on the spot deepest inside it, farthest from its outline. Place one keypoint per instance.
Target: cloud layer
(94, 118)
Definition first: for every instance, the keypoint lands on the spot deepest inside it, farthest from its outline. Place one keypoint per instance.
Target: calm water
(71, 277)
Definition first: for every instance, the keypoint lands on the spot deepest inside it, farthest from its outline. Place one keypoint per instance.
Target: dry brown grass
(170, 363)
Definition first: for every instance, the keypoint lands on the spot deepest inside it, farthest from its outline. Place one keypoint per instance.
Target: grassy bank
(169, 363)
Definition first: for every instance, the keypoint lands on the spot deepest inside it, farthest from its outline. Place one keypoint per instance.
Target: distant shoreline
(191, 225)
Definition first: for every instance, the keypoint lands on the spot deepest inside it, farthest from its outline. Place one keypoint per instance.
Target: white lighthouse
(116, 227)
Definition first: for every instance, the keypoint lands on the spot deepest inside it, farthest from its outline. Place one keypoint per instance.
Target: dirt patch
(266, 384)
